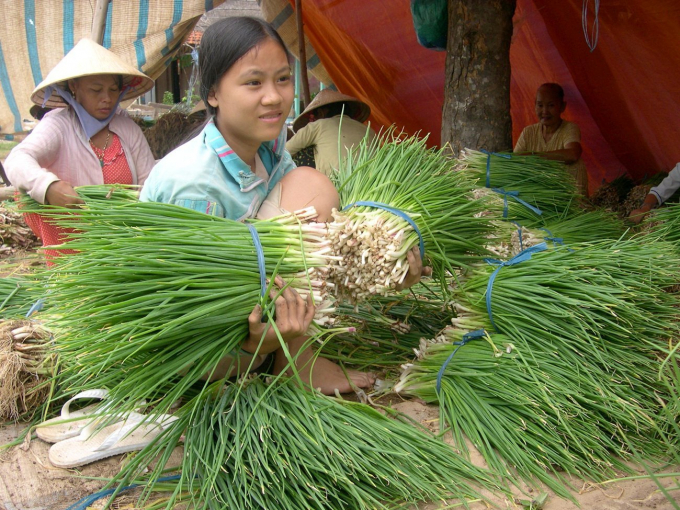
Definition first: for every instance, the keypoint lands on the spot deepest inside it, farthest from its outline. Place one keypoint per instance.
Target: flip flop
(69, 424)
(91, 445)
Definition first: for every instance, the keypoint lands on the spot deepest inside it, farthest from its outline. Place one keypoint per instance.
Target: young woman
(86, 139)
(237, 168)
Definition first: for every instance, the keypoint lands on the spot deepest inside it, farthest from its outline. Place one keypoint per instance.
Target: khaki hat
(354, 108)
(88, 58)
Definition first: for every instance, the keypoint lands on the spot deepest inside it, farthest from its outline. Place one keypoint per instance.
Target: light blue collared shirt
(206, 175)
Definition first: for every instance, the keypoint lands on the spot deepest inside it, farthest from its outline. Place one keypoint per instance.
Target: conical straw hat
(354, 108)
(88, 58)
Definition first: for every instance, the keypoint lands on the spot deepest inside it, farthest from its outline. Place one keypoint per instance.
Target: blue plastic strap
(515, 195)
(260, 259)
(478, 333)
(35, 307)
(84, 503)
(488, 163)
(520, 257)
(519, 232)
(397, 212)
(555, 240)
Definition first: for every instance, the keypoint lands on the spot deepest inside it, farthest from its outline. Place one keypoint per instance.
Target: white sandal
(69, 424)
(91, 445)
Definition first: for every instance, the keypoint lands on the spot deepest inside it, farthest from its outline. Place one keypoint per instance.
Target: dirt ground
(29, 482)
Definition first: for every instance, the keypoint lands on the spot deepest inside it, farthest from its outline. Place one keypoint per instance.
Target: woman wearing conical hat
(86, 139)
(321, 124)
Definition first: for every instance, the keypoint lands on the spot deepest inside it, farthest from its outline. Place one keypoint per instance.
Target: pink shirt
(58, 149)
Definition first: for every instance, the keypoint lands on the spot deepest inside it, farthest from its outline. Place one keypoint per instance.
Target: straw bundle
(170, 131)
(15, 235)
(26, 363)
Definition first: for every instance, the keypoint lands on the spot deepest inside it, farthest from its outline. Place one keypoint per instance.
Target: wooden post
(99, 21)
(303, 53)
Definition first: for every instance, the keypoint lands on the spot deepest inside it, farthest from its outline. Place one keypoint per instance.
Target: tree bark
(476, 112)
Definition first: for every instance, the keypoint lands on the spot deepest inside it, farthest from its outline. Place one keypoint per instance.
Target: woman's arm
(302, 139)
(28, 164)
(658, 195)
(570, 154)
(293, 317)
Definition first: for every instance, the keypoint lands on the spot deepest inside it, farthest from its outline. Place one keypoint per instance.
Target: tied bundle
(156, 290)
(18, 294)
(397, 194)
(532, 189)
(511, 237)
(26, 363)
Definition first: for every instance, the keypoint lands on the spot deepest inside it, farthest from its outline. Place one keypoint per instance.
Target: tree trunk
(476, 111)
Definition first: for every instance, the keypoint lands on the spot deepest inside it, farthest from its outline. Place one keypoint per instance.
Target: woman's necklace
(96, 149)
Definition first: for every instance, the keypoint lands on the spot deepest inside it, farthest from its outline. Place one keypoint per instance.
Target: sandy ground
(29, 482)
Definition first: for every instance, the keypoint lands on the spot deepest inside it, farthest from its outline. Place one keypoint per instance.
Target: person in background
(86, 139)
(237, 168)
(657, 195)
(320, 125)
(553, 137)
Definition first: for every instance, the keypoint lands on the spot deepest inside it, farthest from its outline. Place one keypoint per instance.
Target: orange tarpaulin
(623, 95)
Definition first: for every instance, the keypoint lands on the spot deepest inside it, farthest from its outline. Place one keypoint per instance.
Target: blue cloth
(206, 175)
(91, 125)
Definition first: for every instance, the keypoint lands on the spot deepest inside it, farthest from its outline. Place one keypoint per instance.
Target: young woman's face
(253, 98)
(97, 94)
(549, 107)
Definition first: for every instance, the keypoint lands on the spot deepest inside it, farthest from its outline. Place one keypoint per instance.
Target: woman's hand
(62, 194)
(637, 215)
(415, 269)
(293, 317)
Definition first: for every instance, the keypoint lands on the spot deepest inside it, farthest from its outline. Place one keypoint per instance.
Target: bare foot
(321, 373)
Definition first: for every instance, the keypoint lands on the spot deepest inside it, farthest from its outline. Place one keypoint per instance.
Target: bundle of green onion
(387, 329)
(542, 184)
(252, 445)
(387, 188)
(26, 365)
(664, 223)
(155, 290)
(529, 412)
(511, 237)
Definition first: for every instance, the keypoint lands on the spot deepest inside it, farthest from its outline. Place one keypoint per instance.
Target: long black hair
(224, 43)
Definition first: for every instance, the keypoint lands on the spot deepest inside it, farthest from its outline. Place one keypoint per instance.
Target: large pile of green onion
(589, 327)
